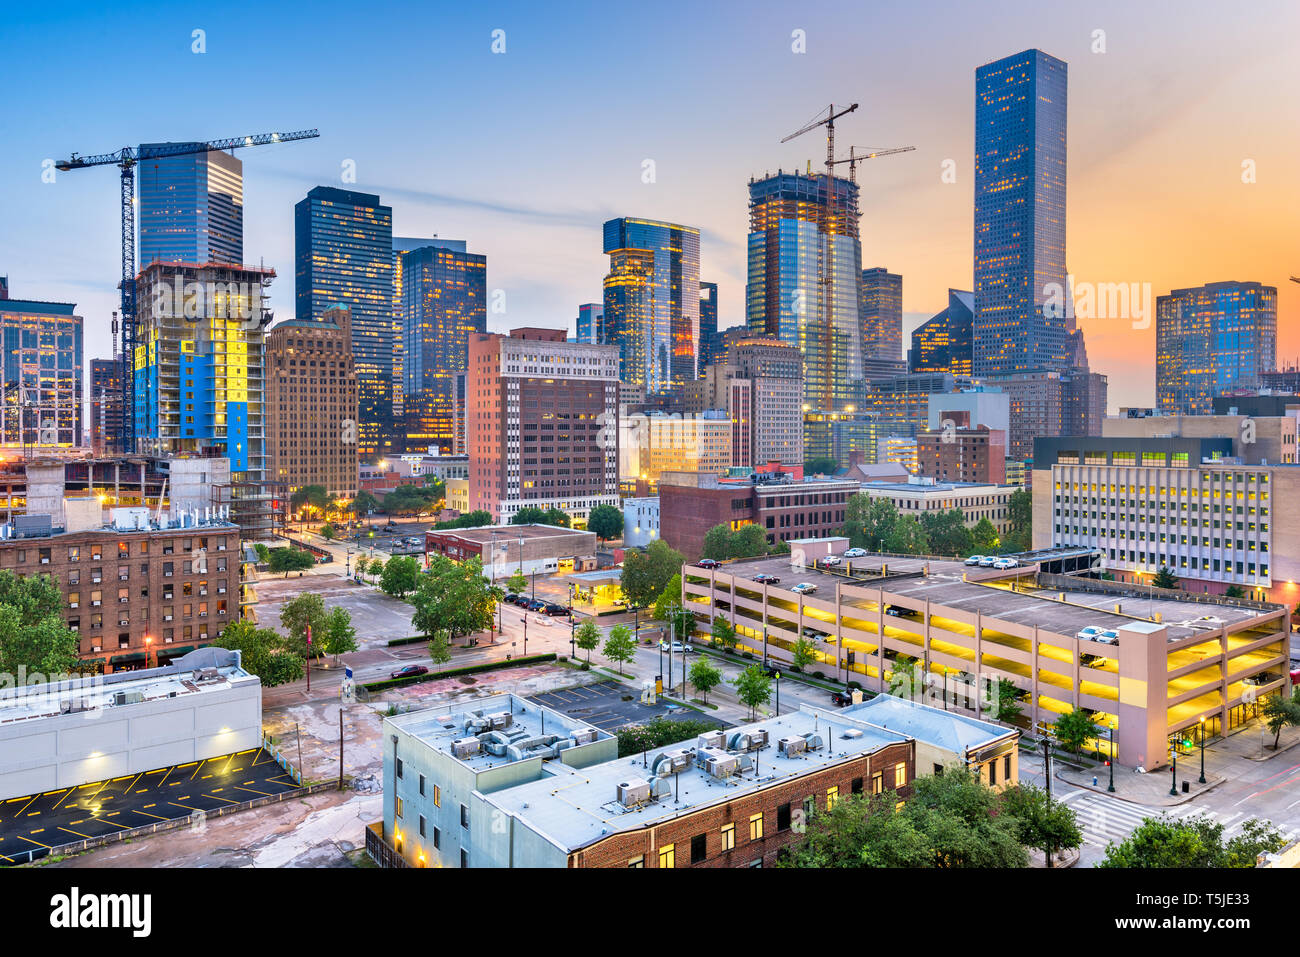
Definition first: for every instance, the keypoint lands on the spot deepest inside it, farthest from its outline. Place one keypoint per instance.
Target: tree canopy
(262, 652)
(1020, 521)
(34, 640)
(453, 596)
(869, 521)
(412, 500)
(475, 519)
(646, 573)
(721, 543)
(532, 515)
(290, 560)
(1192, 842)
(605, 522)
(946, 532)
(401, 576)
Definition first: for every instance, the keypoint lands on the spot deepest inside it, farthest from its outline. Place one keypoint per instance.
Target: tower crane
(855, 158)
(827, 121)
(126, 160)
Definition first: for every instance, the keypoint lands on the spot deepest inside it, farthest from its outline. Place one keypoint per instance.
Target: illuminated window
(756, 827)
(900, 774)
(832, 795)
(728, 836)
(668, 856)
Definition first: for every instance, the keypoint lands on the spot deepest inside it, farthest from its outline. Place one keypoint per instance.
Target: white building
(640, 521)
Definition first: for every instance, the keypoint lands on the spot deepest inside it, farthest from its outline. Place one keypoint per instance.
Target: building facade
(652, 301)
(963, 454)
(343, 255)
(191, 207)
(591, 323)
(41, 377)
(882, 314)
(541, 423)
(1212, 339)
(640, 521)
(650, 445)
(311, 404)
(944, 343)
(918, 496)
(106, 424)
(1051, 404)
(711, 349)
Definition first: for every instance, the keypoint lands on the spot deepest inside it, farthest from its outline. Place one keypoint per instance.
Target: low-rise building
(917, 496)
(506, 549)
(640, 521)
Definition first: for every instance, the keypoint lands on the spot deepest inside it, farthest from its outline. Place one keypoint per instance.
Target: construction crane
(1295, 278)
(855, 158)
(126, 159)
(827, 121)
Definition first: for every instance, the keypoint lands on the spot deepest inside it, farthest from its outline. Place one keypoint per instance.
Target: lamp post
(765, 646)
(1173, 769)
(778, 694)
(1111, 762)
(525, 621)
(1202, 724)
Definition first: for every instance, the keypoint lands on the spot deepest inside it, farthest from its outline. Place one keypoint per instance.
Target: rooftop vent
(634, 792)
(748, 740)
(712, 739)
(465, 747)
(792, 746)
(502, 719)
(673, 762)
(852, 732)
(583, 735)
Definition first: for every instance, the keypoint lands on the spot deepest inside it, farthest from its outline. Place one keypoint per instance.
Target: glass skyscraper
(943, 342)
(591, 323)
(344, 255)
(882, 314)
(652, 301)
(1210, 339)
(444, 302)
(1020, 166)
(191, 208)
(40, 376)
(805, 265)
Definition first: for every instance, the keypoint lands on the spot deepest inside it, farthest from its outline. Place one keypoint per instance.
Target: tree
(1164, 578)
(946, 532)
(261, 652)
(474, 519)
(1234, 591)
(587, 637)
(1045, 825)
(263, 553)
(620, 645)
(376, 567)
(1192, 842)
(361, 565)
(1281, 712)
(753, 688)
(339, 637)
(517, 583)
(907, 537)
(362, 504)
(605, 522)
(411, 500)
(401, 576)
(681, 624)
(822, 465)
(1020, 521)
(440, 647)
(951, 820)
(905, 678)
(310, 497)
(717, 543)
(869, 521)
(658, 733)
(452, 596)
(669, 598)
(646, 574)
(802, 653)
(704, 677)
(723, 635)
(303, 612)
(1074, 728)
(532, 515)
(984, 536)
(33, 636)
(290, 560)
(1006, 701)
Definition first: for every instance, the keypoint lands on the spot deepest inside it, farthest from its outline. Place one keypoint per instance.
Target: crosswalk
(1105, 819)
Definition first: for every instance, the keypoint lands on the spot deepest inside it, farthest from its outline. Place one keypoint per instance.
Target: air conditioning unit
(466, 747)
(634, 792)
(167, 617)
(792, 746)
(718, 763)
(73, 604)
(583, 735)
(712, 739)
(96, 648)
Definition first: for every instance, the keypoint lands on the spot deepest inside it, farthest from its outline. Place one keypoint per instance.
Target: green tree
(339, 635)
(475, 519)
(310, 497)
(297, 615)
(517, 583)
(362, 504)
(1074, 728)
(802, 654)
(907, 537)
(1046, 825)
(605, 522)
(869, 521)
(532, 515)
(453, 596)
(401, 576)
(704, 677)
(646, 573)
(1164, 578)
(657, 733)
(748, 541)
(681, 624)
(905, 678)
(670, 597)
(411, 500)
(823, 465)
(1192, 842)
(376, 567)
(1006, 701)
(723, 635)
(717, 543)
(261, 652)
(362, 563)
(587, 637)
(440, 647)
(951, 820)
(33, 636)
(263, 553)
(753, 688)
(327, 532)
(1281, 712)
(946, 532)
(620, 646)
(984, 536)
(290, 560)
(1020, 521)
(1234, 591)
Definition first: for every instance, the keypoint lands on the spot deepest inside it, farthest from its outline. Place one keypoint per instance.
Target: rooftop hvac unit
(718, 763)
(465, 747)
(502, 719)
(583, 735)
(634, 792)
(792, 746)
(748, 740)
(852, 732)
(712, 739)
(673, 762)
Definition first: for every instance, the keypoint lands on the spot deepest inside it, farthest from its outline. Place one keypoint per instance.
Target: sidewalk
(1151, 789)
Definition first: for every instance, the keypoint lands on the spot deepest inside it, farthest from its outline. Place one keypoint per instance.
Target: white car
(1005, 563)
(1089, 634)
(1107, 637)
(974, 560)
(829, 561)
(803, 588)
(987, 561)
(677, 647)
(855, 553)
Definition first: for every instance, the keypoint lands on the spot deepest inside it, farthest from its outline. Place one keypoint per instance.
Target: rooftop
(935, 486)
(946, 729)
(487, 533)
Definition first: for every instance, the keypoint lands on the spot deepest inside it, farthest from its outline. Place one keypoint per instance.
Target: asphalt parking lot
(30, 826)
(602, 705)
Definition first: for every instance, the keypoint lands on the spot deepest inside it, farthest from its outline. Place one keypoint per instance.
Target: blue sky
(524, 154)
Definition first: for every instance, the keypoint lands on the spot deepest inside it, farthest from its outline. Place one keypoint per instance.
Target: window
(464, 816)
(699, 848)
(1006, 768)
(399, 807)
(437, 839)
(855, 786)
(878, 783)
(668, 856)
(399, 760)
(832, 795)
(437, 796)
(638, 861)
(783, 818)
(464, 857)
(422, 785)
(756, 827)
(421, 825)
(900, 774)
(993, 773)
(729, 831)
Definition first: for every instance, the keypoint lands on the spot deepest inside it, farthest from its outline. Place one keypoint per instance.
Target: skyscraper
(106, 425)
(1210, 339)
(805, 264)
(591, 323)
(943, 342)
(343, 254)
(40, 375)
(710, 349)
(1020, 167)
(882, 314)
(652, 301)
(191, 208)
(444, 302)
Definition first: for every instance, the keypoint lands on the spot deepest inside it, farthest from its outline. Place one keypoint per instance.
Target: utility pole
(340, 749)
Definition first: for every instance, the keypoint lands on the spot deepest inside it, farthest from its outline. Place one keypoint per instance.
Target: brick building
(963, 454)
(506, 549)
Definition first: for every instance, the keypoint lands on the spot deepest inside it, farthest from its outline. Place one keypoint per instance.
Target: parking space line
(215, 798)
(71, 831)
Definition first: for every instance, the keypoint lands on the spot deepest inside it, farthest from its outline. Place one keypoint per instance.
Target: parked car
(322, 559)
(409, 671)
(1088, 634)
(708, 563)
(763, 578)
(830, 561)
(841, 699)
(804, 588)
(974, 560)
(676, 648)
(534, 604)
(1002, 563)
(770, 668)
(855, 552)
(1108, 638)
(553, 609)
(988, 561)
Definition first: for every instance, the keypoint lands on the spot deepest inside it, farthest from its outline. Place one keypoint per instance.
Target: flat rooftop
(438, 728)
(1029, 606)
(947, 729)
(575, 807)
(936, 487)
(485, 534)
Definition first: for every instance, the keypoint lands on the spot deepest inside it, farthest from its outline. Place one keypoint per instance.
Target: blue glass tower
(343, 254)
(191, 208)
(1020, 166)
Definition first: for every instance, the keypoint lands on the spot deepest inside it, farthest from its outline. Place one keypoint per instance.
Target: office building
(652, 444)
(805, 265)
(918, 495)
(402, 244)
(106, 424)
(652, 301)
(191, 207)
(1177, 661)
(944, 343)
(40, 384)
(507, 549)
(542, 423)
(711, 348)
(343, 252)
(963, 453)
(1260, 433)
(640, 521)
(1212, 339)
(444, 302)
(1052, 404)
(975, 406)
(899, 450)
(1020, 182)
(902, 403)
(311, 404)
(882, 315)
(591, 323)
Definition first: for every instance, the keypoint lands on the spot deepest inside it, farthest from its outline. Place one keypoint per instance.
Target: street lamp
(1111, 762)
(1202, 724)
(1173, 769)
(525, 621)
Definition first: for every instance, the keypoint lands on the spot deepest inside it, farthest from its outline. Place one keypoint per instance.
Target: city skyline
(1134, 215)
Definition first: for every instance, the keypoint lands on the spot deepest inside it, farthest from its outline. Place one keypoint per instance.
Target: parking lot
(602, 705)
(30, 826)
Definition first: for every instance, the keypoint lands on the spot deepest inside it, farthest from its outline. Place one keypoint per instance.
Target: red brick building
(963, 454)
